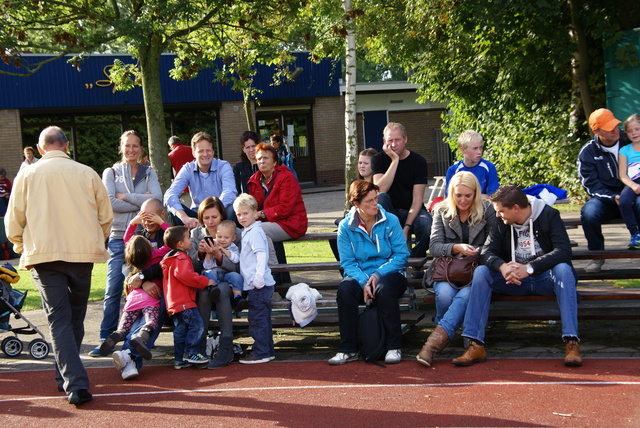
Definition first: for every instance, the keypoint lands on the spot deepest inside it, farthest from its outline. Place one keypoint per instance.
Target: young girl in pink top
(137, 255)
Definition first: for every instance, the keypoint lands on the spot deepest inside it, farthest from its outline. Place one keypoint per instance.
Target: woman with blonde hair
(461, 224)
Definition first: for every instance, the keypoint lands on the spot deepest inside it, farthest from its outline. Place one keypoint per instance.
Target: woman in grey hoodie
(129, 183)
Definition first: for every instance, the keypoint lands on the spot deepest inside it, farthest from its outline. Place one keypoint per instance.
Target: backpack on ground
(371, 335)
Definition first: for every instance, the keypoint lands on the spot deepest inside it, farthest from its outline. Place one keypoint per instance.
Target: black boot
(224, 355)
(110, 342)
(139, 342)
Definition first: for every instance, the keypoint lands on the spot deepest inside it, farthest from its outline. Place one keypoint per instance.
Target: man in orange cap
(598, 169)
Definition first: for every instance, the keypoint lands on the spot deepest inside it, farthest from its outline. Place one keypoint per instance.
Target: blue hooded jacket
(382, 253)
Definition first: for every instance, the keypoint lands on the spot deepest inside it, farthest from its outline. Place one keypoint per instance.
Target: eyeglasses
(371, 201)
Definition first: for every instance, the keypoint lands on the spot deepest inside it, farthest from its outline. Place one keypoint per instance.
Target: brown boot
(572, 356)
(436, 342)
(474, 354)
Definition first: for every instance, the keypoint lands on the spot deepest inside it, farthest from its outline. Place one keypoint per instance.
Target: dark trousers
(350, 295)
(259, 317)
(64, 289)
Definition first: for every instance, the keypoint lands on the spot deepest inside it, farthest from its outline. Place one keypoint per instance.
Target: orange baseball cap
(603, 119)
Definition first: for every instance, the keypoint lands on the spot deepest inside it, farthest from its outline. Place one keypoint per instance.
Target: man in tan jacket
(58, 218)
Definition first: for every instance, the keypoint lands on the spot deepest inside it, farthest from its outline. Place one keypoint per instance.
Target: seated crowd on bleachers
(228, 232)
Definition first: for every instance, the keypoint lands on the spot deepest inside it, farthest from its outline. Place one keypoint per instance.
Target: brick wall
(232, 124)
(329, 139)
(420, 125)
(10, 142)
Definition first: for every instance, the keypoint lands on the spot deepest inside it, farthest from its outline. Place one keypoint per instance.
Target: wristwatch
(141, 276)
(262, 214)
(529, 269)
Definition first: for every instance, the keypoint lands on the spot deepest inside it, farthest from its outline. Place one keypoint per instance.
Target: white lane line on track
(308, 387)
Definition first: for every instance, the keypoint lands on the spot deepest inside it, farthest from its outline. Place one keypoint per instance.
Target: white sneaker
(122, 361)
(121, 358)
(129, 371)
(394, 356)
(343, 358)
(595, 266)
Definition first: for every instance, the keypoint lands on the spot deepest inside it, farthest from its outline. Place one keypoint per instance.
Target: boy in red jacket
(179, 285)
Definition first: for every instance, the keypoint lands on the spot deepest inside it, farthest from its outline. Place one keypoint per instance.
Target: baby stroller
(10, 303)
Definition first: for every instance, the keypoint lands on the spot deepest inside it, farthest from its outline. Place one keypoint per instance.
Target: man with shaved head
(58, 218)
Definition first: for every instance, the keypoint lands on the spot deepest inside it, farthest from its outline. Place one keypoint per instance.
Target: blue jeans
(451, 305)
(135, 329)
(187, 333)
(350, 295)
(421, 227)
(628, 204)
(559, 281)
(64, 289)
(233, 278)
(595, 212)
(113, 290)
(260, 322)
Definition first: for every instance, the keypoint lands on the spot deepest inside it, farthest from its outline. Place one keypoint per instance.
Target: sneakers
(196, 359)
(179, 365)
(342, 358)
(252, 359)
(595, 266)
(394, 356)
(95, 352)
(123, 362)
(634, 243)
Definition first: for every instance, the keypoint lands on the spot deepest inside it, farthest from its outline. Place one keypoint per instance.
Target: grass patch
(308, 251)
(98, 281)
(627, 283)
(297, 252)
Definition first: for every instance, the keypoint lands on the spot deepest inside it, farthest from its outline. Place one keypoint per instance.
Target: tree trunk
(579, 68)
(149, 56)
(248, 112)
(350, 128)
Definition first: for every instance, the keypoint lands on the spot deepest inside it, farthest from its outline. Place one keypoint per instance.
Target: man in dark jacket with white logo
(528, 253)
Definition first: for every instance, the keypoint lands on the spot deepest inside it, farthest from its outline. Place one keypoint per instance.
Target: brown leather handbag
(458, 272)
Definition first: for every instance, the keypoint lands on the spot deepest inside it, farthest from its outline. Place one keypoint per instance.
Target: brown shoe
(474, 354)
(436, 342)
(572, 356)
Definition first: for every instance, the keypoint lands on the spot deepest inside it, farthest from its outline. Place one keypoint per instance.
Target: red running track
(603, 393)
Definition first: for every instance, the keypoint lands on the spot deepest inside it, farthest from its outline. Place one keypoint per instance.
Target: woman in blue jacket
(373, 253)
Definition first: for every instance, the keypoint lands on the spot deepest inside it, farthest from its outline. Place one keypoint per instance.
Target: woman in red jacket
(280, 205)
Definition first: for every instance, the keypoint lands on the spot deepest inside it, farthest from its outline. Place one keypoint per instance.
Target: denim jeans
(233, 278)
(135, 329)
(559, 281)
(188, 329)
(64, 288)
(421, 227)
(595, 212)
(451, 305)
(628, 204)
(259, 318)
(113, 290)
(350, 295)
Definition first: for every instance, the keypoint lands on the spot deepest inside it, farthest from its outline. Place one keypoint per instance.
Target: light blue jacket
(382, 253)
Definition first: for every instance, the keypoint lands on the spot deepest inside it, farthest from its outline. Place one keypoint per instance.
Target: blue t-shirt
(484, 171)
(633, 161)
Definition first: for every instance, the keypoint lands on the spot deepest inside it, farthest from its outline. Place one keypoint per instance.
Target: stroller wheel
(11, 346)
(38, 349)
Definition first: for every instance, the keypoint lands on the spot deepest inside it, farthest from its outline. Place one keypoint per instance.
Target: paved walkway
(600, 339)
